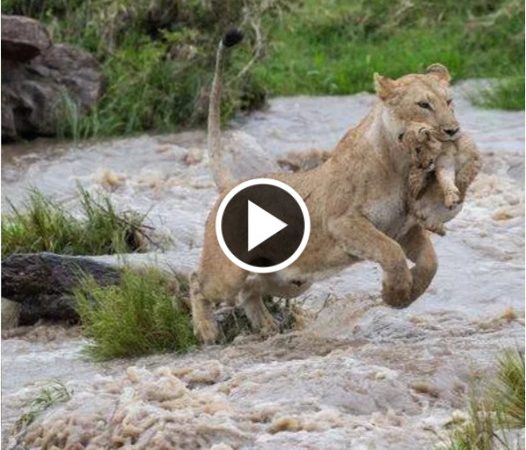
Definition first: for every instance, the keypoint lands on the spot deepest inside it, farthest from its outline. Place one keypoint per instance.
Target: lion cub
(428, 154)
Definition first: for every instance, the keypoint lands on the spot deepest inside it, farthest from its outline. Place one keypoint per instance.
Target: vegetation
(137, 317)
(508, 390)
(45, 225)
(158, 55)
(494, 412)
(55, 392)
(147, 313)
(508, 93)
(287, 315)
(334, 46)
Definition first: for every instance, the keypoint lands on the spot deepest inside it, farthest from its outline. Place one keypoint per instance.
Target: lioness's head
(424, 98)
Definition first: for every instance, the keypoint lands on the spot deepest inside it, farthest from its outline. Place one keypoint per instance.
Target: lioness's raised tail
(222, 176)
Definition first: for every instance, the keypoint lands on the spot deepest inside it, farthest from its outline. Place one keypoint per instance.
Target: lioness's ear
(439, 71)
(384, 87)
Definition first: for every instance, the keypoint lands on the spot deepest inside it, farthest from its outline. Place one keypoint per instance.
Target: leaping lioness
(356, 201)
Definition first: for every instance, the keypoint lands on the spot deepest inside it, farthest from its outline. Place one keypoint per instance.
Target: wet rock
(23, 38)
(38, 79)
(42, 283)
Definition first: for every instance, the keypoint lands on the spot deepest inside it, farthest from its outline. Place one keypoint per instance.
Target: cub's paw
(452, 198)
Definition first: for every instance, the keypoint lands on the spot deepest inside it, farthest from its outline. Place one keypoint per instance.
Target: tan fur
(357, 206)
(220, 171)
(451, 162)
(424, 150)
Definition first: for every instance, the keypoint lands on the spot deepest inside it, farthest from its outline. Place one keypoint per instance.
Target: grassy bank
(157, 56)
(334, 46)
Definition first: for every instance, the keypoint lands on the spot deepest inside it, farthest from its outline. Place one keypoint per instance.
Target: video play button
(262, 225)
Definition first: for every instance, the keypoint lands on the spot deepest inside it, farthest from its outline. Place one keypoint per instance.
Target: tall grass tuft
(137, 317)
(508, 389)
(496, 411)
(45, 225)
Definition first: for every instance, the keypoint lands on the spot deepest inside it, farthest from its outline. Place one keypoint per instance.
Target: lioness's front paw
(452, 198)
(396, 290)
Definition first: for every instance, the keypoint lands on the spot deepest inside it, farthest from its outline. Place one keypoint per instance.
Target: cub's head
(424, 98)
(422, 146)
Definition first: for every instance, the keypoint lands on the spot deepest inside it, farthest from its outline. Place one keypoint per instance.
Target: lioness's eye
(425, 105)
(417, 149)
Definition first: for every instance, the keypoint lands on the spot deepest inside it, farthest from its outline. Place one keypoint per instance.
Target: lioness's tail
(222, 176)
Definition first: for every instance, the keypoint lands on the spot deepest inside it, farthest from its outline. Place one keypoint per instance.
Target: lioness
(356, 200)
(431, 156)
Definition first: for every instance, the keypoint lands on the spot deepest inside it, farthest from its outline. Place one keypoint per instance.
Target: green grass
(334, 46)
(493, 410)
(137, 317)
(157, 55)
(507, 94)
(147, 313)
(45, 225)
(53, 393)
(508, 389)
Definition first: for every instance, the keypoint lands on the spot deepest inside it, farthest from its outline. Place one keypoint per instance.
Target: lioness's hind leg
(251, 299)
(205, 327)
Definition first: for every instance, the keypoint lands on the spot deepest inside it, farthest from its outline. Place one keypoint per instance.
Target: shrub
(137, 317)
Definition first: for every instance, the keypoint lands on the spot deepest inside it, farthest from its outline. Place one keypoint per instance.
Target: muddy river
(359, 375)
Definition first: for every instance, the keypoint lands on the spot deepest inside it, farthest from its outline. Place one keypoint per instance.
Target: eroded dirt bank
(360, 375)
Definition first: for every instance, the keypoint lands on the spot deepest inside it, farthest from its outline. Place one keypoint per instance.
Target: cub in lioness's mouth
(444, 159)
(356, 200)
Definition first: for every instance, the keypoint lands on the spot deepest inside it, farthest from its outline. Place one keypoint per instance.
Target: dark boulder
(39, 79)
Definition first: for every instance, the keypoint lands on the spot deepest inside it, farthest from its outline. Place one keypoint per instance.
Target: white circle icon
(261, 225)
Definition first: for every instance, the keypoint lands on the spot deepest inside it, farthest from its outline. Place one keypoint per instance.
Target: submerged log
(43, 284)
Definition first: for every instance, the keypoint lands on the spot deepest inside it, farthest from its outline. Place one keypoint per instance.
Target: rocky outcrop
(39, 78)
